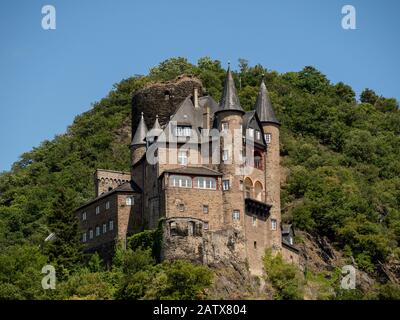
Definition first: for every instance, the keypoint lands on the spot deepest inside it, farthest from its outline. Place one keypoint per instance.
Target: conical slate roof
(140, 134)
(229, 99)
(156, 130)
(263, 106)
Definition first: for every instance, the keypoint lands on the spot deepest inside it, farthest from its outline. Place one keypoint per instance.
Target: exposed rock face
(319, 255)
(210, 248)
(162, 99)
(223, 251)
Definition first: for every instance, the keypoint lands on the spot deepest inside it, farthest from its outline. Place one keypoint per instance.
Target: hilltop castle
(217, 201)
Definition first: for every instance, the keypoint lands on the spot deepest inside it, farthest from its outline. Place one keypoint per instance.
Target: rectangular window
(90, 234)
(183, 131)
(183, 158)
(268, 138)
(180, 181)
(107, 205)
(254, 221)
(84, 216)
(205, 209)
(205, 183)
(225, 185)
(274, 224)
(97, 231)
(130, 201)
(258, 135)
(84, 237)
(97, 210)
(191, 228)
(241, 185)
(236, 215)
(111, 225)
(225, 126)
(181, 207)
(251, 133)
(205, 225)
(104, 227)
(225, 155)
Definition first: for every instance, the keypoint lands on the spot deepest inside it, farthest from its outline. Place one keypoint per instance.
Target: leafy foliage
(285, 278)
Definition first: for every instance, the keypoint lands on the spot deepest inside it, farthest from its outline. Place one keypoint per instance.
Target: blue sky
(49, 77)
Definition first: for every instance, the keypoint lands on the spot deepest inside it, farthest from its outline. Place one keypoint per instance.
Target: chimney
(196, 98)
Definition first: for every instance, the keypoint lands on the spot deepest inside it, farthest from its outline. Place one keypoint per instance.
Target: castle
(208, 172)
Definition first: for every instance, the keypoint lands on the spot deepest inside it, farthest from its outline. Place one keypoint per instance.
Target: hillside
(340, 158)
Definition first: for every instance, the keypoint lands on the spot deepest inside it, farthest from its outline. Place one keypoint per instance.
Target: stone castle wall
(106, 180)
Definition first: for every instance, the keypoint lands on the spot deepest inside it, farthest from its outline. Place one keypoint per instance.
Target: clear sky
(49, 77)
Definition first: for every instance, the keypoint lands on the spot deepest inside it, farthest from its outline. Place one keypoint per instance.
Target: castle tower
(229, 118)
(138, 145)
(271, 127)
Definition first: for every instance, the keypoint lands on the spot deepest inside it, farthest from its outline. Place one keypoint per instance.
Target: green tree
(65, 251)
(285, 278)
(368, 96)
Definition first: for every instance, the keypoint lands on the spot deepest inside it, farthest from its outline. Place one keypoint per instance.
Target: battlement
(107, 180)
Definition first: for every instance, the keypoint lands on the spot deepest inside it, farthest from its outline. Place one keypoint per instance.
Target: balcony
(258, 208)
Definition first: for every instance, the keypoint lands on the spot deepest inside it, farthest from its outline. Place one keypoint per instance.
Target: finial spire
(229, 99)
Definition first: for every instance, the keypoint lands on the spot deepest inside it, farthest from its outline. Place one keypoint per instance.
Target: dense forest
(341, 156)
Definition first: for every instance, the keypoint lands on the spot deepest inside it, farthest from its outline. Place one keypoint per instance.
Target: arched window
(248, 187)
(258, 190)
(258, 163)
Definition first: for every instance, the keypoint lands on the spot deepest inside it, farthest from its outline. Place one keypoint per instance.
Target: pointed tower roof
(229, 99)
(156, 130)
(140, 134)
(264, 106)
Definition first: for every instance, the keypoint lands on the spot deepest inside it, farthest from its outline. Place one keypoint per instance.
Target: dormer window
(183, 131)
(258, 135)
(251, 132)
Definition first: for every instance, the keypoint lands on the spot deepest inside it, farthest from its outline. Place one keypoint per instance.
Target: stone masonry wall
(106, 180)
(162, 99)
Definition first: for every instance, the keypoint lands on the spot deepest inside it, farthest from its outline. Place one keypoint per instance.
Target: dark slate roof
(187, 114)
(201, 171)
(229, 99)
(264, 106)
(140, 134)
(129, 187)
(207, 100)
(156, 130)
(247, 119)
